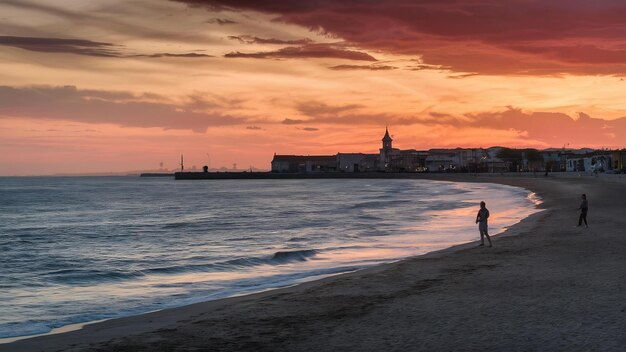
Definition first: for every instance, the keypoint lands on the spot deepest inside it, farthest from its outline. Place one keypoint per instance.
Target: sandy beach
(546, 285)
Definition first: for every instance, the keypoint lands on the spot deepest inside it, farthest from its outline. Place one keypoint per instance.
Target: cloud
(103, 107)
(310, 129)
(306, 51)
(59, 45)
(356, 118)
(221, 21)
(188, 55)
(315, 108)
(547, 128)
(554, 128)
(421, 67)
(348, 114)
(82, 47)
(292, 122)
(363, 67)
(120, 18)
(461, 76)
(487, 37)
(247, 39)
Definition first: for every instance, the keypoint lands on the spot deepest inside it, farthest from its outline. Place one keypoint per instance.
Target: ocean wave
(293, 256)
(86, 276)
(278, 258)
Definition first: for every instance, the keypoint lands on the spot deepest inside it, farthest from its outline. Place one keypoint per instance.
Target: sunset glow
(117, 86)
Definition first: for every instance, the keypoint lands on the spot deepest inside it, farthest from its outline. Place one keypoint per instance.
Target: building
(595, 162)
(357, 162)
(490, 162)
(395, 160)
(471, 160)
(555, 159)
(304, 163)
(409, 160)
(442, 160)
(618, 158)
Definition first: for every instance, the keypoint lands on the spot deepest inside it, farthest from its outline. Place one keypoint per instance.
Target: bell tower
(385, 151)
(387, 140)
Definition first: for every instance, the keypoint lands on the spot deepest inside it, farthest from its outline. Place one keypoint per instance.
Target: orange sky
(114, 85)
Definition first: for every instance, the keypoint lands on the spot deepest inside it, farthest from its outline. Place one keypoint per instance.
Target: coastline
(173, 329)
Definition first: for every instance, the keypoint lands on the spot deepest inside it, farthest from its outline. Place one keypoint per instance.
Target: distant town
(494, 159)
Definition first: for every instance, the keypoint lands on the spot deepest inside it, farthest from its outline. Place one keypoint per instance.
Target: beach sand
(546, 285)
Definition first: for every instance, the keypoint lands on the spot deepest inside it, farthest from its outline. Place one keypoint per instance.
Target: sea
(82, 249)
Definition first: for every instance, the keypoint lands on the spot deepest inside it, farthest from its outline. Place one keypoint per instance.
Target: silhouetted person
(481, 220)
(584, 206)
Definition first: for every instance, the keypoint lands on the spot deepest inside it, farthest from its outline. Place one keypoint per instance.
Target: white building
(594, 163)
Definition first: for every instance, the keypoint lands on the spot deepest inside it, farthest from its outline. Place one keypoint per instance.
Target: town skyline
(114, 86)
(391, 159)
(196, 164)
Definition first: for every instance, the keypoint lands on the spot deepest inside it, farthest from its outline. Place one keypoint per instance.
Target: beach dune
(546, 285)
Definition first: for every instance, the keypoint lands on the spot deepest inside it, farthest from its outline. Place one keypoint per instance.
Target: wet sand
(546, 285)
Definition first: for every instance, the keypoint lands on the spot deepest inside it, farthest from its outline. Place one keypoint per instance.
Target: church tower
(385, 151)
(387, 140)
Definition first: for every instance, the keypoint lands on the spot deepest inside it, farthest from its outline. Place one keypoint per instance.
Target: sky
(95, 86)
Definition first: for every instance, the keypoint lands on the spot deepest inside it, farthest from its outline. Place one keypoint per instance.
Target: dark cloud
(310, 129)
(422, 67)
(487, 37)
(93, 106)
(59, 45)
(256, 40)
(82, 47)
(221, 21)
(363, 67)
(292, 122)
(188, 55)
(463, 75)
(307, 51)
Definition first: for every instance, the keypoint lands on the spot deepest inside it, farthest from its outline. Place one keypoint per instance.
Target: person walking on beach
(481, 220)
(584, 206)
